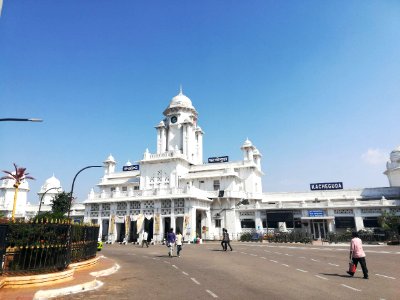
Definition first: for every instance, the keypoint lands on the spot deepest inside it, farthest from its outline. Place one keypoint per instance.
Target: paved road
(251, 271)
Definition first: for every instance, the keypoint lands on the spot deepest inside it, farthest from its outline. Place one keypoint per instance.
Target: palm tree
(19, 175)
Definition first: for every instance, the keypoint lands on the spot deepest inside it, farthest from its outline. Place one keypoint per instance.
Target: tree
(61, 203)
(19, 176)
(390, 222)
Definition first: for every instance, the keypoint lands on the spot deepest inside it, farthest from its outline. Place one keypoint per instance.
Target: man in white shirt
(144, 239)
(179, 240)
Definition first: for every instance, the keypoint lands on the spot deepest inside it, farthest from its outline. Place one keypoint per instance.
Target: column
(208, 225)
(184, 140)
(158, 140)
(358, 220)
(163, 140)
(173, 223)
(259, 225)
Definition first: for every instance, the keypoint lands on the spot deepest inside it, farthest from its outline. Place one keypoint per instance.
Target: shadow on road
(335, 274)
(219, 250)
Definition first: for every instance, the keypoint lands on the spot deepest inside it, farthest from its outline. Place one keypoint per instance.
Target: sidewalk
(82, 280)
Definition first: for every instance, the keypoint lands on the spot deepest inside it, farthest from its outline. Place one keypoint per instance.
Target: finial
(180, 89)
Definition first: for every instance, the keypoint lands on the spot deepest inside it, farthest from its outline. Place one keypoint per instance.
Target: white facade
(174, 188)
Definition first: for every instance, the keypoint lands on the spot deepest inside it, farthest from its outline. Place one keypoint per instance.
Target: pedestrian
(179, 240)
(144, 239)
(357, 254)
(226, 239)
(171, 238)
(223, 243)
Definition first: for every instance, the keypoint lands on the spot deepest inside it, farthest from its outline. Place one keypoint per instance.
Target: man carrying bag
(357, 255)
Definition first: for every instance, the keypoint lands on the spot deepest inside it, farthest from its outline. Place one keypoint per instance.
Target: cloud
(375, 156)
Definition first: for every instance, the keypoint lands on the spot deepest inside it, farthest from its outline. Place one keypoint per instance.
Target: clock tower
(179, 130)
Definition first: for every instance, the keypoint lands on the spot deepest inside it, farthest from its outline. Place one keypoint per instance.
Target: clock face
(174, 119)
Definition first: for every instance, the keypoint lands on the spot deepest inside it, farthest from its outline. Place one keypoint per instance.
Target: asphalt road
(251, 271)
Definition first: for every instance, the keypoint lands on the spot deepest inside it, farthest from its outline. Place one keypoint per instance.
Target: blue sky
(314, 85)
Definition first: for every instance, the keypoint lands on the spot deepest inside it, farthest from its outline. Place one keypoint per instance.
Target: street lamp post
(20, 120)
(73, 183)
(41, 198)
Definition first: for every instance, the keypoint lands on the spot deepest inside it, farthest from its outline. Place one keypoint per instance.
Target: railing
(35, 248)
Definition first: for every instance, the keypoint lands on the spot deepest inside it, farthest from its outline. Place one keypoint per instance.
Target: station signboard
(220, 159)
(326, 186)
(130, 168)
(315, 213)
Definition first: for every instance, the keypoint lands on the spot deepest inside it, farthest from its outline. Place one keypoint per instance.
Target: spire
(180, 90)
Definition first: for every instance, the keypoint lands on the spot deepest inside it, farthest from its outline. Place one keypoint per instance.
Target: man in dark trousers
(357, 254)
(225, 240)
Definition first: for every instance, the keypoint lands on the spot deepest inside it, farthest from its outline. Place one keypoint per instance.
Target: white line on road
(285, 265)
(175, 267)
(212, 294)
(167, 262)
(321, 277)
(184, 273)
(274, 261)
(288, 254)
(253, 254)
(155, 258)
(314, 259)
(195, 281)
(267, 251)
(243, 252)
(385, 276)
(262, 257)
(304, 271)
(333, 265)
(349, 287)
(279, 253)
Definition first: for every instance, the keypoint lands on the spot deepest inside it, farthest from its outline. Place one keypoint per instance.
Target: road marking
(175, 267)
(288, 254)
(321, 277)
(302, 270)
(195, 281)
(279, 253)
(167, 262)
(184, 273)
(314, 259)
(333, 265)
(244, 252)
(253, 254)
(262, 257)
(349, 287)
(385, 276)
(155, 258)
(285, 265)
(274, 261)
(212, 294)
(267, 251)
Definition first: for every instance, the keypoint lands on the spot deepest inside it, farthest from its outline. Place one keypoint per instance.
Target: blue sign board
(326, 186)
(130, 168)
(220, 159)
(315, 213)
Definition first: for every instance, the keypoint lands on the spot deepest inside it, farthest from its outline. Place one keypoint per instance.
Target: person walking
(223, 243)
(171, 238)
(144, 239)
(179, 240)
(226, 239)
(357, 254)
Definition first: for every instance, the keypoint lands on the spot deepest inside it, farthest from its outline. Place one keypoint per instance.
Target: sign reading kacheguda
(326, 186)
(220, 159)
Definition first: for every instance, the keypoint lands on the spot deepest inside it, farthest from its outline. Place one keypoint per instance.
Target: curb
(106, 272)
(84, 287)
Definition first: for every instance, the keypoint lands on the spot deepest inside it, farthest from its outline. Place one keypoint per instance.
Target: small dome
(395, 155)
(247, 143)
(256, 152)
(161, 124)
(110, 158)
(128, 163)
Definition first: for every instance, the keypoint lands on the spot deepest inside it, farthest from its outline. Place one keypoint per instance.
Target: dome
(52, 182)
(395, 155)
(128, 163)
(181, 100)
(256, 152)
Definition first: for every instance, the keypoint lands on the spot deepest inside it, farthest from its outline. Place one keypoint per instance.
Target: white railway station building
(175, 188)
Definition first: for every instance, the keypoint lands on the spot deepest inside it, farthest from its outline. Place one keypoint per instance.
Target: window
(136, 187)
(216, 185)
(248, 223)
(344, 222)
(112, 189)
(371, 222)
(124, 188)
(217, 223)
